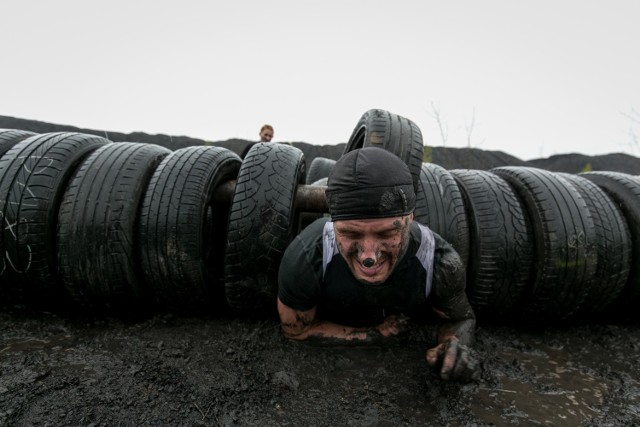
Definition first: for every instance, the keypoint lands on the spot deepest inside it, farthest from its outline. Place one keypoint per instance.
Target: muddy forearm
(457, 320)
(464, 331)
(326, 333)
(456, 333)
(302, 325)
(450, 300)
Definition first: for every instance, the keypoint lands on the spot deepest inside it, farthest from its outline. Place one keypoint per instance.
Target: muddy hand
(393, 325)
(454, 360)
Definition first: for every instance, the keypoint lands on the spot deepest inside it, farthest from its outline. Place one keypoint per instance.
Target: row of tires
(124, 226)
(534, 241)
(101, 221)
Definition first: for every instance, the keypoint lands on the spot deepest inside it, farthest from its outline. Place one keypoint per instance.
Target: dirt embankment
(448, 158)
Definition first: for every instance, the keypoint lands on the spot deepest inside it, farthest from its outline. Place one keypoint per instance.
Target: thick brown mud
(168, 371)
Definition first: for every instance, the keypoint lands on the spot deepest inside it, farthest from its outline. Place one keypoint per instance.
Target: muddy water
(564, 394)
(224, 371)
(583, 375)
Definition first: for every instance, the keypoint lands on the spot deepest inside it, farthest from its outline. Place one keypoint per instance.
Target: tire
(319, 169)
(33, 177)
(98, 214)
(394, 133)
(625, 191)
(182, 232)
(440, 206)
(613, 245)
(261, 223)
(10, 137)
(322, 182)
(501, 243)
(565, 253)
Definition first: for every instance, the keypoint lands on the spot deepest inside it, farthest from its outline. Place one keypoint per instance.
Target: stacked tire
(262, 218)
(623, 193)
(500, 247)
(182, 229)
(34, 174)
(96, 227)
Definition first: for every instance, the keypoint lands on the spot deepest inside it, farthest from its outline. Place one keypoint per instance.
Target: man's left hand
(393, 325)
(454, 360)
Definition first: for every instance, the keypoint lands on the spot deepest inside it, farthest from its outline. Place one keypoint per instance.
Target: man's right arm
(303, 325)
(457, 321)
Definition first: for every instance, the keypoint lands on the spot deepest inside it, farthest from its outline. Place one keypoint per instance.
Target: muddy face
(372, 247)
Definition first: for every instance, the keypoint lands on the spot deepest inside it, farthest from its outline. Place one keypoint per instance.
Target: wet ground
(223, 371)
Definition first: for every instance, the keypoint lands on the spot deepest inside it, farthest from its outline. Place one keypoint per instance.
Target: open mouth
(373, 270)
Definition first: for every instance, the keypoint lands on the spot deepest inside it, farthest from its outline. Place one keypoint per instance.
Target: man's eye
(350, 234)
(388, 234)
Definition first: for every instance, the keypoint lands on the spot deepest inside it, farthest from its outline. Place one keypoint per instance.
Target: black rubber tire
(319, 169)
(98, 214)
(440, 206)
(10, 137)
(613, 245)
(501, 243)
(33, 177)
(322, 182)
(261, 223)
(565, 254)
(399, 135)
(181, 231)
(625, 191)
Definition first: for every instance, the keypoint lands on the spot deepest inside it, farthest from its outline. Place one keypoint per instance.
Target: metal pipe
(309, 198)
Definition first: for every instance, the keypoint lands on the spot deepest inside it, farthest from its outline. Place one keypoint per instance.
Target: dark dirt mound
(171, 142)
(471, 158)
(575, 163)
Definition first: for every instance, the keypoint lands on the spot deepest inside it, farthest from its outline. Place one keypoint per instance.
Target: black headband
(370, 183)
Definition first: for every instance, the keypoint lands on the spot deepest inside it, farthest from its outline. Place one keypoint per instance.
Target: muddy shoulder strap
(425, 254)
(329, 246)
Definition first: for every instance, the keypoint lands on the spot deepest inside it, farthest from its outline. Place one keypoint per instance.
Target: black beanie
(367, 183)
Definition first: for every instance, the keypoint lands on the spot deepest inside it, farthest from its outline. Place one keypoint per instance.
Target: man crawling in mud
(354, 278)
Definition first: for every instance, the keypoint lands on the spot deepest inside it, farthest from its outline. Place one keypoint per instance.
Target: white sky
(544, 77)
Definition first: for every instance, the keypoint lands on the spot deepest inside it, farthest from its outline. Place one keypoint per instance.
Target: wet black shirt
(337, 294)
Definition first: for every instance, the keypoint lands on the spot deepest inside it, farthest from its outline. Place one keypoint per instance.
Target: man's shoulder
(300, 273)
(419, 229)
(309, 239)
(419, 232)
(314, 230)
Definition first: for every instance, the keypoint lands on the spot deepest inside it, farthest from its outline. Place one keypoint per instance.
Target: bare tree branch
(442, 126)
(634, 138)
(468, 127)
(634, 116)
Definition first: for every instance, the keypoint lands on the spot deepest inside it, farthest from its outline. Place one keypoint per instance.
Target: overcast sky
(530, 78)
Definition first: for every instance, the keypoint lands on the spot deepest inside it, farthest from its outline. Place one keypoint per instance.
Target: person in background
(355, 277)
(266, 135)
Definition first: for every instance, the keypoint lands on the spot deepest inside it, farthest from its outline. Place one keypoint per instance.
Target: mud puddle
(558, 393)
